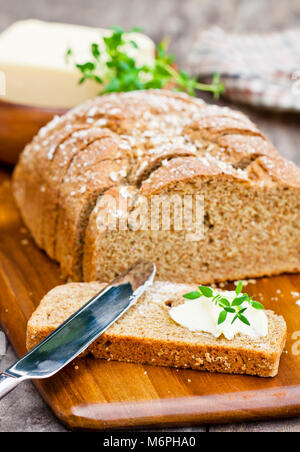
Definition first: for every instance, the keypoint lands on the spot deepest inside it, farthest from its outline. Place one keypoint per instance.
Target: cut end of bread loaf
(146, 333)
(247, 229)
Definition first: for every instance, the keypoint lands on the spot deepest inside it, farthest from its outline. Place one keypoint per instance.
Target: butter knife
(81, 329)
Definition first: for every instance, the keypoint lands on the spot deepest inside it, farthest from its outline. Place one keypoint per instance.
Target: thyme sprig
(119, 71)
(233, 307)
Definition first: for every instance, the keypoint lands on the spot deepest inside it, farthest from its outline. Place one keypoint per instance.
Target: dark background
(23, 409)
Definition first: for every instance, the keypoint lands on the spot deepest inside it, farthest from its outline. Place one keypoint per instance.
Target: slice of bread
(73, 141)
(74, 211)
(147, 334)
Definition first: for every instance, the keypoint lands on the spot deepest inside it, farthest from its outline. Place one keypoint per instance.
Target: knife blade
(81, 329)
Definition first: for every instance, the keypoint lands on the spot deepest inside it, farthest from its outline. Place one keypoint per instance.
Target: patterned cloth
(261, 70)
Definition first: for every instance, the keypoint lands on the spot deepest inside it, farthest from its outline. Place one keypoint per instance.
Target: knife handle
(7, 383)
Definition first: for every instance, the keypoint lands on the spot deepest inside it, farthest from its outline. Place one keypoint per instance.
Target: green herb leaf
(121, 72)
(206, 291)
(97, 79)
(239, 287)
(222, 317)
(95, 50)
(224, 301)
(231, 310)
(114, 85)
(238, 301)
(88, 66)
(257, 305)
(117, 29)
(134, 44)
(192, 295)
(244, 320)
(68, 55)
(234, 319)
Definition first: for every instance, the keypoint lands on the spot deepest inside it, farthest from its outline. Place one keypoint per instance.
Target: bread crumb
(24, 242)
(244, 282)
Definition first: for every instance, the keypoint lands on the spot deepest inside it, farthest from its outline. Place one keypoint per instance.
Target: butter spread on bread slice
(147, 334)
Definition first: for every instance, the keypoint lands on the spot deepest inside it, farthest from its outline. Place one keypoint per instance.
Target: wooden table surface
(23, 409)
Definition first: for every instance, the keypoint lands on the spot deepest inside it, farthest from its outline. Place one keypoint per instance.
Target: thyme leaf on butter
(192, 295)
(120, 72)
(233, 307)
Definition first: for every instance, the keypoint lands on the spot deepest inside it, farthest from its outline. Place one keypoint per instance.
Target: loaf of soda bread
(137, 145)
(147, 334)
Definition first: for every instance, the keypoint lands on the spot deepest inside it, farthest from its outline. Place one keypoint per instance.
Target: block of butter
(33, 61)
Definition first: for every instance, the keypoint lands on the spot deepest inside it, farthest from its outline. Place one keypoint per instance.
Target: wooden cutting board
(97, 394)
